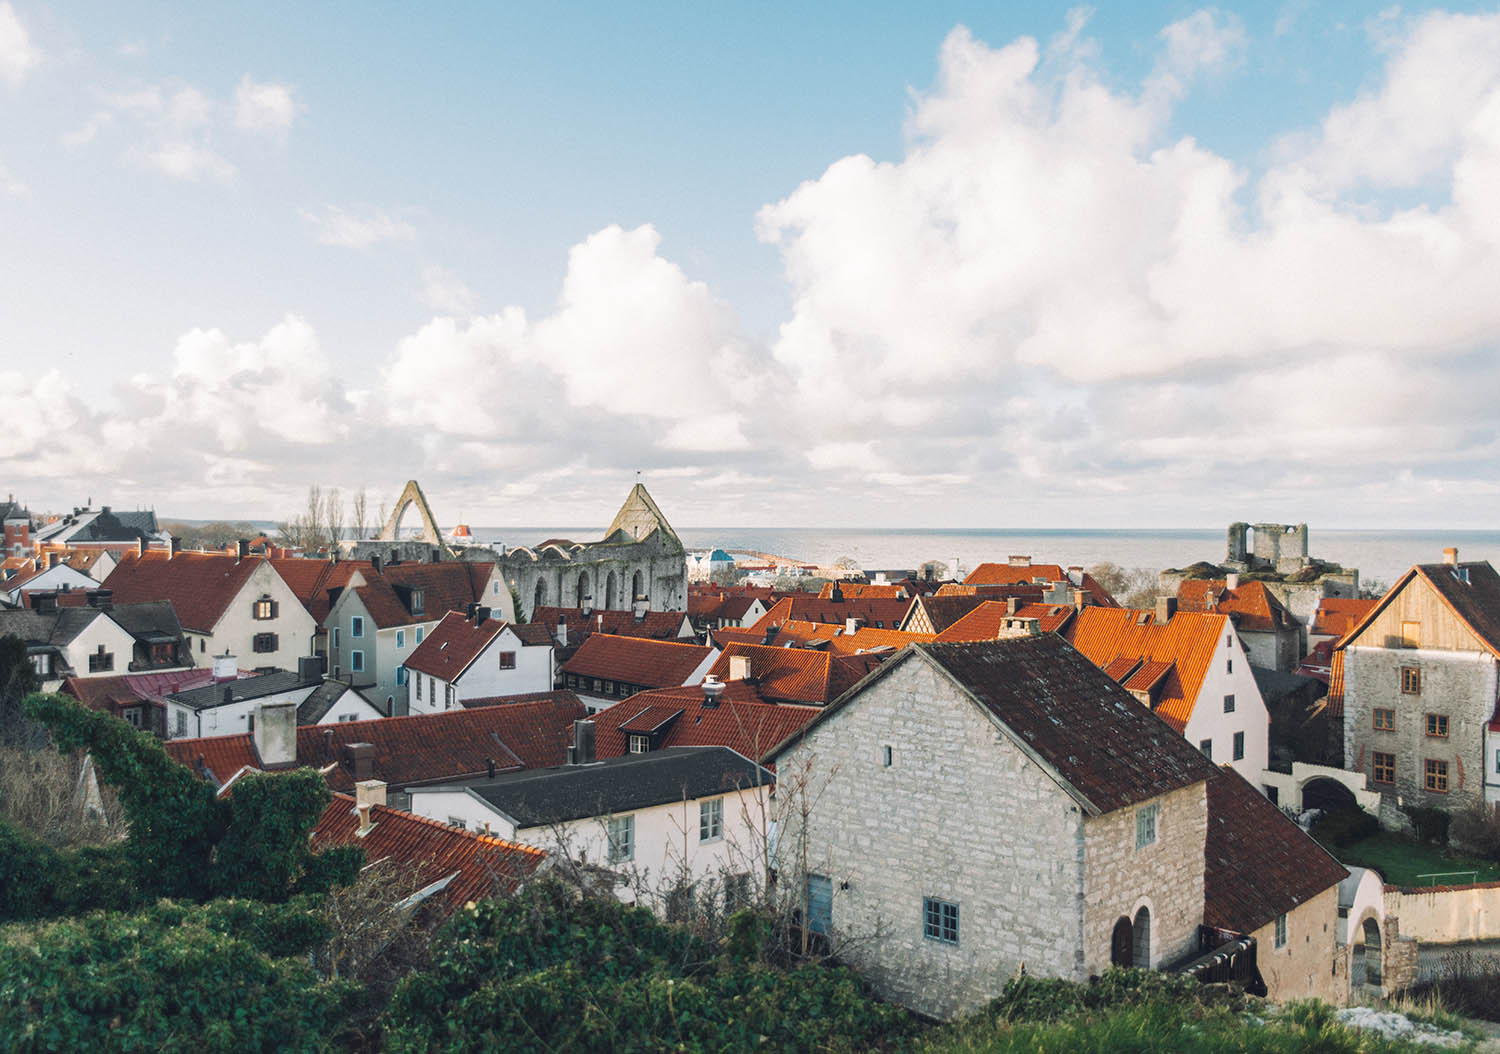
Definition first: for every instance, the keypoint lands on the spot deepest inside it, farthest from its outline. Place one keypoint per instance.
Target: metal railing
(1473, 877)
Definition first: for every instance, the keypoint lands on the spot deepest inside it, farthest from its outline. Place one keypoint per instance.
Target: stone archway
(583, 593)
(539, 598)
(1327, 794)
(411, 495)
(1141, 944)
(637, 585)
(1122, 943)
(1369, 951)
(611, 592)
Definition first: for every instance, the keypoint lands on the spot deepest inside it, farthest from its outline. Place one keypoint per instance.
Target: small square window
(1384, 770)
(1437, 725)
(711, 820)
(1281, 931)
(1385, 719)
(1411, 680)
(940, 920)
(1435, 775)
(1145, 826)
(1229, 704)
(507, 660)
(1239, 746)
(1207, 747)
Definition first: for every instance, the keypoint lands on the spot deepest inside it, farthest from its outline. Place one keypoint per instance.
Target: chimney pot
(242, 548)
(1232, 580)
(275, 734)
(582, 750)
(365, 823)
(1450, 555)
(1166, 607)
(370, 792)
(712, 689)
(140, 546)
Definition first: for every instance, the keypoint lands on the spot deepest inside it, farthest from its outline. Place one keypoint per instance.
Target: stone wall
(960, 815)
(1165, 877)
(1304, 968)
(1445, 914)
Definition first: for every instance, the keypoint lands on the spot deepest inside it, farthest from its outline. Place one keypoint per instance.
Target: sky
(841, 265)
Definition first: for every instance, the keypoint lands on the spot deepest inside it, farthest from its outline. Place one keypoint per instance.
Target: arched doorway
(637, 586)
(583, 589)
(539, 598)
(1122, 944)
(1141, 930)
(611, 592)
(1327, 794)
(1369, 951)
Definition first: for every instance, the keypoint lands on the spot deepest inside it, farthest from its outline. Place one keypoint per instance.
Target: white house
(675, 825)
(69, 641)
(477, 657)
(229, 704)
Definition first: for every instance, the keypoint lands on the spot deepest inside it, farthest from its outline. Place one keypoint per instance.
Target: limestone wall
(1445, 914)
(1303, 968)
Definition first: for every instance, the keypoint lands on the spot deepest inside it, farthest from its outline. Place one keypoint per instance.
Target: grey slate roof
(152, 621)
(258, 687)
(316, 706)
(58, 628)
(619, 785)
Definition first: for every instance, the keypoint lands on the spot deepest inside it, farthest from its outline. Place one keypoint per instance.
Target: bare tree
(359, 511)
(333, 517)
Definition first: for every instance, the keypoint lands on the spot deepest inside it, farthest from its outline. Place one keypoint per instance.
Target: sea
(1380, 556)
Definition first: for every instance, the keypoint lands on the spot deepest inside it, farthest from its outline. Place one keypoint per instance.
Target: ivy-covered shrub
(200, 978)
(549, 970)
(1429, 824)
(1344, 827)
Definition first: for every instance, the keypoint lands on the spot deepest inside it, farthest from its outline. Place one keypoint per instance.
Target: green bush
(549, 970)
(1477, 829)
(1430, 825)
(1344, 827)
(171, 978)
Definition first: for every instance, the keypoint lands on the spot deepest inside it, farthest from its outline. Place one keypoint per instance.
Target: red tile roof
(857, 590)
(1251, 604)
(311, 579)
(1188, 641)
(796, 675)
(1004, 574)
(658, 625)
(480, 865)
(103, 693)
(200, 586)
(445, 587)
(424, 748)
(637, 660)
(805, 608)
(452, 645)
(984, 622)
(1338, 615)
(742, 721)
(1258, 864)
(1336, 685)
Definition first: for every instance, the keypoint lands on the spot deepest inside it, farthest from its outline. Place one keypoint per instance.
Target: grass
(1400, 860)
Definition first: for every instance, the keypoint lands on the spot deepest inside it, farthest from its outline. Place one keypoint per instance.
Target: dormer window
(264, 608)
(418, 604)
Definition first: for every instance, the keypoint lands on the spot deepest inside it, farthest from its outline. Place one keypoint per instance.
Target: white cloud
(10, 185)
(183, 159)
(444, 291)
(264, 107)
(18, 55)
(356, 228)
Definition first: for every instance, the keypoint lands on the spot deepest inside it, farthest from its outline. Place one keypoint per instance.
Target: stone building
(1419, 683)
(640, 558)
(975, 808)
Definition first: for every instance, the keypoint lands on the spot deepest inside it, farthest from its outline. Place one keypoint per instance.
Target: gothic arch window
(583, 589)
(540, 598)
(611, 592)
(637, 585)
(1141, 931)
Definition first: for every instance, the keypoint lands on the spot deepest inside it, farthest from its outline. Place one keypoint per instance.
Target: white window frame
(638, 744)
(711, 820)
(356, 625)
(356, 662)
(620, 830)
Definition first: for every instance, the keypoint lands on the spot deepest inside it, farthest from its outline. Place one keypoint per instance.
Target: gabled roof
(1336, 616)
(1088, 733)
(1470, 590)
(312, 579)
(452, 645)
(323, 698)
(201, 586)
(658, 625)
(1252, 606)
(57, 628)
(796, 675)
(985, 620)
(637, 660)
(476, 865)
(620, 784)
(452, 586)
(944, 610)
(1004, 574)
(244, 689)
(638, 519)
(1258, 864)
(1188, 641)
(805, 607)
(423, 748)
(856, 590)
(742, 720)
(149, 622)
(100, 693)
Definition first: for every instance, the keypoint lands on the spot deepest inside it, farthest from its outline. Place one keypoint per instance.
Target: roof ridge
(486, 839)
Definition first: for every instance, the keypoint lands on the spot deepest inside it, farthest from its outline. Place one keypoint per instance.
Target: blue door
(819, 903)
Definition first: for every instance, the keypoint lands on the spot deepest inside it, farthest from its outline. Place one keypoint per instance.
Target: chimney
(174, 546)
(275, 735)
(639, 607)
(103, 599)
(53, 557)
(489, 767)
(712, 689)
(1232, 581)
(242, 548)
(582, 750)
(1019, 561)
(1080, 599)
(228, 694)
(1015, 626)
(44, 603)
(739, 667)
(310, 668)
(366, 825)
(140, 546)
(104, 510)
(1166, 607)
(370, 792)
(586, 605)
(1450, 555)
(375, 562)
(1012, 605)
(481, 615)
(1075, 574)
(359, 759)
(469, 610)
(562, 631)
(852, 624)
(225, 667)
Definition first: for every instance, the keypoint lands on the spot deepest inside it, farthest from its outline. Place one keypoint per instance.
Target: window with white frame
(1281, 931)
(401, 638)
(1145, 825)
(940, 920)
(711, 820)
(180, 726)
(356, 662)
(621, 839)
(356, 625)
(639, 744)
(400, 676)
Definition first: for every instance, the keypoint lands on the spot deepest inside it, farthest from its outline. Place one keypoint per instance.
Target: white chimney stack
(370, 792)
(739, 667)
(226, 668)
(1232, 580)
(275, 735)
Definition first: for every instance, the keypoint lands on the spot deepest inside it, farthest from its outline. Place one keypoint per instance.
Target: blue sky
(987, 265)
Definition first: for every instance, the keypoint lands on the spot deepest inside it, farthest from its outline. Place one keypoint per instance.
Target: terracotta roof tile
(1251, 604)
(311, 579)
(985, 620)
(200, 586)
(1338, 615)
(424, 748)
(637, 660)
(1005, 574)
(785, 675)
(452, 645)
(658, 625)
(445, 587)
(1258, 864)
(742, 721)
(888, 611)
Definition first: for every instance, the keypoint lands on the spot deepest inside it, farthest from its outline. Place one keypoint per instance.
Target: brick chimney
(1450, 555)
(275, 735)
(562, 631)
(1166, 607)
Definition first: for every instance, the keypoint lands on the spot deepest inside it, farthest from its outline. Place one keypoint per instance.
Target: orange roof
(311, 579)
(742, 721)
(480, 865)
(1253, 606)
(808, 608)
(984, 622)
(1338, 615)
(864, 589)
(658, 625)
(637, 660)
(445, 587)
(1336, 685)
(199, 585)
(991, 574)
(1107, 636)
(797, 675)
(452, 644)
